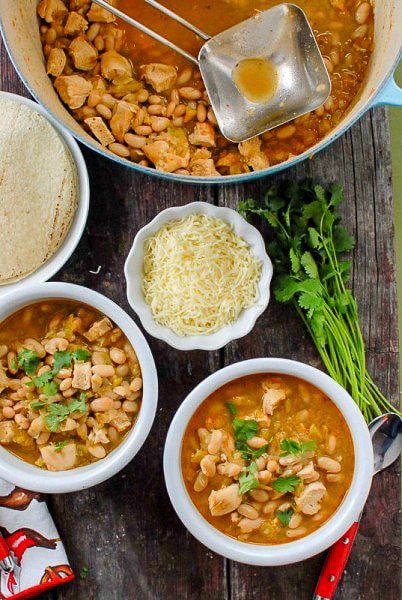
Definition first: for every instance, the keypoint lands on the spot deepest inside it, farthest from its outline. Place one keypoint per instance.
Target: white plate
(63, 253)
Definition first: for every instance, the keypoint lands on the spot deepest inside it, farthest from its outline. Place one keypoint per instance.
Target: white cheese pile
(199, 275)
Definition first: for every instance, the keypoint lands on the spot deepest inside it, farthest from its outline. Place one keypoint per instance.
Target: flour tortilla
(38, 190)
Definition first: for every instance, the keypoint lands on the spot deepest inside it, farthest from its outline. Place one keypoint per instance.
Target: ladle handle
(334, 565)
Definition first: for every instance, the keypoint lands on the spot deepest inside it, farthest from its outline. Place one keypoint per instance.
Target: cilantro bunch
(307, 245)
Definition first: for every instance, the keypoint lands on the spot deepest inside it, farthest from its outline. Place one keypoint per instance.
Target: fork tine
(166, 11)
(146, 30)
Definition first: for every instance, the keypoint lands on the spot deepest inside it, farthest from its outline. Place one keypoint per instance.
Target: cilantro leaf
(284, 516)
(77, 405)
(28, 361)
(231, 407)
(60, 445)
(244, 429)
(37, 405)
(56, 414)
(62, 359)
(50, 388)
(292, 447)
(40, 380)
(249, 454)
(247, 479)
(81, 354)
(286, 484)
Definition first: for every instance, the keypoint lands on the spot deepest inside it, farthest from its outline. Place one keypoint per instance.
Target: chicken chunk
(203, 135)
(203, 167)
(98, 329)
(253, 156)
(3, 380)
(224, 501)
(310, 499)
(271, 399)
(75, 24)
(73, 90)
(84, 55)
(120, 122)
(49, 9)
(308, 473)
(100, 130)
(56, 61)
(100, 14)
(246, 525)
(160, 77)
(160, 154)
(98, 436)
(121, 422)
(7, 431)
(59, 460)
(115, 65)
(82, 376)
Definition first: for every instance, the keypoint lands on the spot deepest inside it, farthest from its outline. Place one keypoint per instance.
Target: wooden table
(125, 530)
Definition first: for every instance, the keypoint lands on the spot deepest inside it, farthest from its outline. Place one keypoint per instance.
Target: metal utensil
(291, 68)
(386, 435)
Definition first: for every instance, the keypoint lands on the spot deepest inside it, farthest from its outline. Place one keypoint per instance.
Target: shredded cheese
(199, 275)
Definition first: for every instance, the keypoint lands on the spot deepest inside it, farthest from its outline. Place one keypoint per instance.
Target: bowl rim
(74, 234)
(247, 318)
(280, 554)
(30, 477)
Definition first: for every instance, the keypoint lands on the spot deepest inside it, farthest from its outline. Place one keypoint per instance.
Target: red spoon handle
(334, 565)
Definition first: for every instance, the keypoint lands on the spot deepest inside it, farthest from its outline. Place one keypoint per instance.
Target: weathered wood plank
(125, 530)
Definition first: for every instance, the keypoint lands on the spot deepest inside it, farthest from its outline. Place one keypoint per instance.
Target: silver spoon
(386, 436)
(275, 48)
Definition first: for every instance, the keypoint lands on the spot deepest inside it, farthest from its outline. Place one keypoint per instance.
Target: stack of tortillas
(38, 190)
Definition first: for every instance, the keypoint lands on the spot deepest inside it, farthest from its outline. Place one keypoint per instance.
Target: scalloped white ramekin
(133, 270)
(275, 554)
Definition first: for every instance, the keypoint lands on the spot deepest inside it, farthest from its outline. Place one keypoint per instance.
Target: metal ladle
(291, 68)
(386, 435)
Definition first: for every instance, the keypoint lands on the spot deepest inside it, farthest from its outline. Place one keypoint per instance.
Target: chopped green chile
(266, 493)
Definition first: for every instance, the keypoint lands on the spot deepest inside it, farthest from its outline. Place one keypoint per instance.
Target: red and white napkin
(30, 533)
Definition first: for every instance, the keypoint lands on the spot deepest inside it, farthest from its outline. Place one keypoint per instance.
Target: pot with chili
(267, 461)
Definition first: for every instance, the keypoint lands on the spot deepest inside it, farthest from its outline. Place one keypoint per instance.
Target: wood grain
(125, 530)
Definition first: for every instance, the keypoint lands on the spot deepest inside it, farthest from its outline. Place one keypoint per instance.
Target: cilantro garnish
(37, 405)
(232, 409)
(80, 354)
(286, 484)
(40, 380)
(28, 361)
(244, 429)
(60, 445)
(61, 359)
(284, 516)
(247, 479)
(14, 364)
(292, 447)
(58, 412)
(307, 245)
(84, 573)
(50, 388)
(249, 454)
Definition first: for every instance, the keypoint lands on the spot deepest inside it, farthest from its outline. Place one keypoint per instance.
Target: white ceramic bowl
(28, 476)
(133, 270)
(280, 554)
(63, 253)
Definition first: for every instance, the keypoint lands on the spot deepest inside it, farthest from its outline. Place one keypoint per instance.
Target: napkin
(40, 559)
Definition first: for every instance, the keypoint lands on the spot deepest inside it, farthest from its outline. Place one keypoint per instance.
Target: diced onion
(199, 275)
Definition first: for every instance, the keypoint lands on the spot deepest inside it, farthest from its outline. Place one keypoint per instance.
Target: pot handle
(390, 94)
